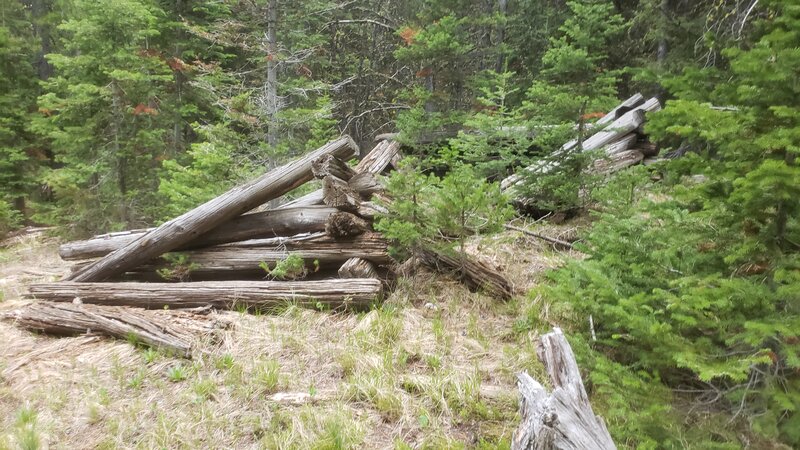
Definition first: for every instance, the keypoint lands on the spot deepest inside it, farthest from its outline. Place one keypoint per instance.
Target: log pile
(618, 135)
(220, 255)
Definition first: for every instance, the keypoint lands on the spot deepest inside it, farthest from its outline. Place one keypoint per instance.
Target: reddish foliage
(177, 65)
(46, 112)
(141, 108)
(594, 115)
(304, 71)
(149, 53)
(407, 34)
(426, 72)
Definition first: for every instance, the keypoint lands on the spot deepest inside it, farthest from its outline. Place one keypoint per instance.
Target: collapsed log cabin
(204, 218)
(615, 134)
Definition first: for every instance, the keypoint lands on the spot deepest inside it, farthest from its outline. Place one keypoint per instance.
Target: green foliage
(696, 284)
(447, 210)
(177, 373)
(179, 267)
(292, 267)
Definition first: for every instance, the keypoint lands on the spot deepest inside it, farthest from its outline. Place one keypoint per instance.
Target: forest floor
(433, 367)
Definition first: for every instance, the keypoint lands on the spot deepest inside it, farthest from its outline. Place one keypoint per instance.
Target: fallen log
(476, 274)
(366, 184)
(632, 102)
(338, 194)
(352, 293)
(616, 162)
(67, 319)
(330, 165)
(627, 123)
(206, 217)
(624, 143)
(281, 222)
(563, 418)
(317, 253)
(342, 224)
(358, 268)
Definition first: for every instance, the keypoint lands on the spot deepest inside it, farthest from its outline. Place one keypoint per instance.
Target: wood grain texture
(562, 419)
(204, 218)
(272, 223)
(335, 293)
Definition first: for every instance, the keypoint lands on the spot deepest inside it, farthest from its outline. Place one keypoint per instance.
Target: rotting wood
(476, 274)
(189, 226)
(562, 419)
(358, 268)
(366, 184)
(150, 328)
(624, 143)
(281, 222)
(630, 103)
(376, 161)
(342, 224)
(317, 253)
(338, 194)
(616, 162)
(371, 210)
(330, 165)
(628, 122)
(354, 293)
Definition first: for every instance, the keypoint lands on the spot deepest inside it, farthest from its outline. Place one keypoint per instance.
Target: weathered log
(621, 145)
(358, 268)
(648, 149)
(335, 293)
(317, 253)
(371, 210)
(476, 274)
(379, 158)
(632, 102)
(206, 217)
(366, 184)
(343, 224)
(330, 165)
(338, 194)
(154, 329)
(616, 162)
(281, 222)
(628, 122)
(375, 162)
(562, 419)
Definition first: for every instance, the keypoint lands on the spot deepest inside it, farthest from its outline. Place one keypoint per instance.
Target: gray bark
(562, 419)
(335, 293)
(182, 230)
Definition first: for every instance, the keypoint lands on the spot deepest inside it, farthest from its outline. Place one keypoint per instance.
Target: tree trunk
(621, 145)
(617, 162)
(152, 328)
(562, 419)
(281, 222)
(335, 293)
(245, 259)
(181, 230)
(358, 268)
(628, 122)
(366, 184)
(476, 274)
(272, 72)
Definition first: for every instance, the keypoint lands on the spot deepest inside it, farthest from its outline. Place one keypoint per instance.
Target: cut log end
(343, 224)
(358, 268)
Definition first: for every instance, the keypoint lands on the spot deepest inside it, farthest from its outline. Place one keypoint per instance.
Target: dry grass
(434, 367)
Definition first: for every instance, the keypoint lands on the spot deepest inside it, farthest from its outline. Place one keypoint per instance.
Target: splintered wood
(562, 419)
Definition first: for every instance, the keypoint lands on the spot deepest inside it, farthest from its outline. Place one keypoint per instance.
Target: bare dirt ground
(434, 367)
